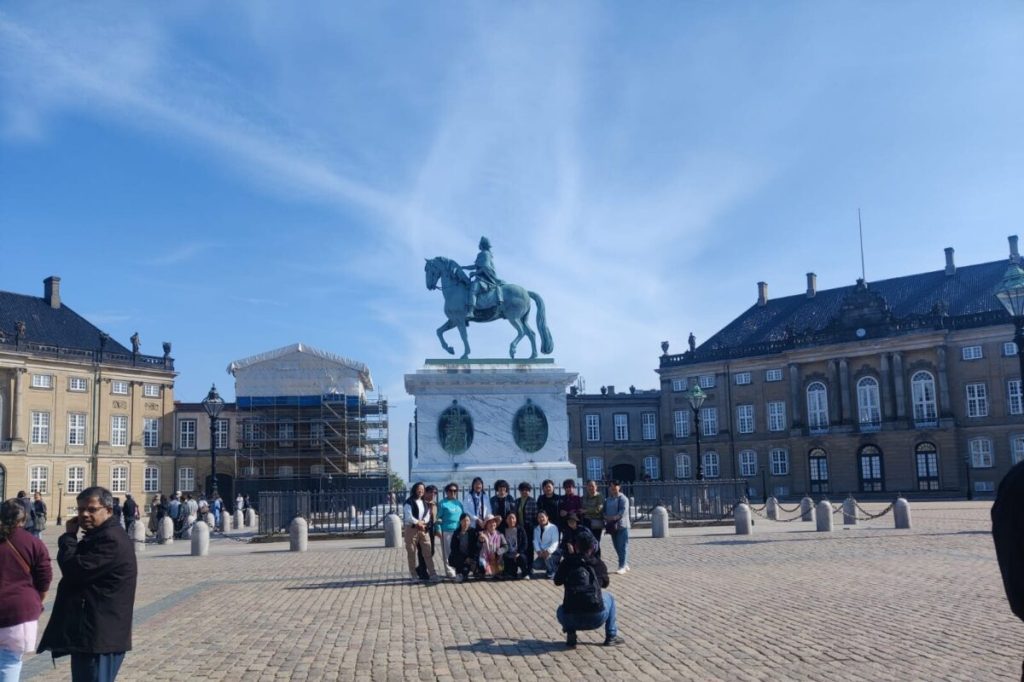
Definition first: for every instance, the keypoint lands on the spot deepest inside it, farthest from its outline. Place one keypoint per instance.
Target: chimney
(762, 293)
(611, 390)
(1014, 253)
(950, 268)
(812, 284)
(51, 291)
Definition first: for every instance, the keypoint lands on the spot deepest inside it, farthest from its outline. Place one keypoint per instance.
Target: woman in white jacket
(477, 504)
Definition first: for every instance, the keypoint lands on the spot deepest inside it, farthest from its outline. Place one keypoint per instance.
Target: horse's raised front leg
(519, 335)
(440, 335)
(465, 340)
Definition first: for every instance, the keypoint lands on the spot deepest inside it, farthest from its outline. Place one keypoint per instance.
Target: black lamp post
(213, 404)
(60, 501)
(1011, 294)
(696, 397)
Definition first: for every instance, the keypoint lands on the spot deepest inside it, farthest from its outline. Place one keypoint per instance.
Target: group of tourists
(184, 510)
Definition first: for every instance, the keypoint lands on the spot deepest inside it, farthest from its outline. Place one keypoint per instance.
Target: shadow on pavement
(341, 584)
(511, 647)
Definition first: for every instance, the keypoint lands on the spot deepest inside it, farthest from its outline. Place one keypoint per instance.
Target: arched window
(652, 467)
(922, 392)
(870, 465)
(817, 407)
(711, 469)
(868, 404)
(817, 464)
(926, 457)
(683, 466)
(748, 463)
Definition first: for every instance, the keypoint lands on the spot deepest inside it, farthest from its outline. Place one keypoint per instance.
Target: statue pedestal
(494, 419)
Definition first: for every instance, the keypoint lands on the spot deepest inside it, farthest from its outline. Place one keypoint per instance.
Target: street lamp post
(213, 404)
(696, 397)
(1011, 294)
(60, 501)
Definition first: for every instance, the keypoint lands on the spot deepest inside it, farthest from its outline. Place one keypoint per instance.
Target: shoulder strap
(21, 559)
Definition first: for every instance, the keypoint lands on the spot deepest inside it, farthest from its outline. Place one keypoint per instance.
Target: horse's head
(433, 273)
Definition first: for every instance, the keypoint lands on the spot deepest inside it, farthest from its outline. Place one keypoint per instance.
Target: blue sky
(235, 177)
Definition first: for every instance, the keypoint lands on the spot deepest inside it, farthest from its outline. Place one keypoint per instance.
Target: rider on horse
(484, 278)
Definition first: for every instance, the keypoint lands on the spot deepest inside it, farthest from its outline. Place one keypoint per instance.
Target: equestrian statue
(485, 298)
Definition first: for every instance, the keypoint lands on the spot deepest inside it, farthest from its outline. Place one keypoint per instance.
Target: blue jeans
(10, 666)
(571, 622)
(95, 667)
(550, 565)
(620, 539)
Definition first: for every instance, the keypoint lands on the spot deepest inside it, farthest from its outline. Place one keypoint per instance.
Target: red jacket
(20, 591)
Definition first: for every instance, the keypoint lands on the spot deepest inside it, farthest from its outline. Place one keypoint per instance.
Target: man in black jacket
(92, 613)
(1008, 534)
(578, 568)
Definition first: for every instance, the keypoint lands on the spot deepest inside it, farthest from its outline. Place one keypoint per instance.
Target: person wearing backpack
(585, 606)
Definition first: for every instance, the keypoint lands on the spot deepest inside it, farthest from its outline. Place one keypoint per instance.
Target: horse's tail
(547, 344)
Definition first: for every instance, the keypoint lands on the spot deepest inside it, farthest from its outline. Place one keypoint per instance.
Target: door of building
(817, 462)
(870, 467)
(927, 457)
(624, 473)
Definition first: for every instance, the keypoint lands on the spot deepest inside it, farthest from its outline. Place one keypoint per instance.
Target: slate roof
(61, 327)
(888, 307)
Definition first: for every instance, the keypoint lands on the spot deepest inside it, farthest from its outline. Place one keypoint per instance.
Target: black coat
(92, 613)
(1008, 534)
(457, 559)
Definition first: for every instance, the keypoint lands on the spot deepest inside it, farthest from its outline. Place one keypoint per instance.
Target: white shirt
(545, 538)
(407, 517)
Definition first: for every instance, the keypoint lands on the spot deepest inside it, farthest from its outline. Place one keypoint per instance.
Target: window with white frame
(119, 387)
(42, 381)
(286, 433)
(39, 479)
(868, 407)
(817, 406)
(150, 433)
(78, 384)
(977, 400)
(981, 453)
(652, 467)
(745, 418)
(595, 469)
(927, 460)
(679, 385)
(118, 431)
(776, 415)
(773, 375)
(711, 469)
(151, 390)
(316, 433)
(1013, 396)
(187, 434)
(40, 428)
(648, 426)
(780, 461)
(706, 380)
(593, 427)
(186, 479)
(681, 422)
(76, 428)
(971, 353)
(709, 421)
(220, 434)
(1016, 449)
(922, 393)
(742, 378)
(984, 486)
(76, 480)
(151, 479)
(748, 463)
(621, 424)
(684, 468)
(119, 479)
(1010, 348)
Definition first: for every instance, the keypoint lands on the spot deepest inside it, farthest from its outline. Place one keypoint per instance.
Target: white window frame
(774, 374)
(652, 467)
(620, 423)
(817, 406)
(40, 428)
(593, 427)
(709, 421)
(971, 353)
(1010, 349)
(76, 480)
(684, 465)
(186, 479)
(78, 384)
(1016, 449)
(43, 381)
(286, 433)
(151, 390)
(595, 468)
(981, 453)
(706, 381)
(119, 387)
(681, 423)
(76, 428)
(748, 463)
(186, 434)
(679, 385)
(39, 479)
(869, 409)
(221, 433)
(119, 478)
(1014, 399)
(316, 434)
(977, 400)
(712, 467)
(742, 378)
(922, 392)
(119, 431)
(984, 486)
(151, 479)
(780, 461)
(151, 432)
(648, 426)
(745, 418)
(776, 415)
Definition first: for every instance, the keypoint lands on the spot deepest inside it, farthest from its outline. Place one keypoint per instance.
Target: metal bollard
(659, 522)
(299, 535)
(165, 533)
(850, 511)
(743, 519)
(239, 521)
(772, 509)
(139, 536)
(392, 531)
(823, 514)
(807, 509)
(250, 517)
(200, 539)
(901, 512)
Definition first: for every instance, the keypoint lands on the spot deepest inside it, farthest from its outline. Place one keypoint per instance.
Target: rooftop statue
(485, 298)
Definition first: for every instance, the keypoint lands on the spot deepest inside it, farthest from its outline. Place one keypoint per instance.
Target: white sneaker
(621, 571)
(628, 569)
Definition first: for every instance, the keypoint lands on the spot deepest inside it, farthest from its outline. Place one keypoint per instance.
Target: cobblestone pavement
(786, 603)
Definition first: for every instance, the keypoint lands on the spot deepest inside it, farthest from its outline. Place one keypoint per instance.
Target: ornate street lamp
(213, 404)
(60, 501)
(696, 397)
(1010, 293)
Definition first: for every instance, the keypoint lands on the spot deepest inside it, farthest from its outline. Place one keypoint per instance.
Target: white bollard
(255, 522)
(250, 517)
(200, 539)
(225, 520)
(392, 531)
(139, 536)
(823, 514)
(807, 509)
(772, 509)
(165, 533)
(208, 519)
(850, 511)
(743, 519)
(298, 532)
(901, 512)
(239, 521)
(659, 522)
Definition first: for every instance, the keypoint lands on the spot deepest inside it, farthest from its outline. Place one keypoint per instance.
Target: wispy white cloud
(179, 254)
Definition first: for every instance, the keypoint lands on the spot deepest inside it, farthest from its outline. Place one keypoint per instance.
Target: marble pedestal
(490, 418)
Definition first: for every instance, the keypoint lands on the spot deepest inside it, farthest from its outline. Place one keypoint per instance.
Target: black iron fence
(686, 500)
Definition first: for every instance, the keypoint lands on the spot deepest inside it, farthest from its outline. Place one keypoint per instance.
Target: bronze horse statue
(514, 307)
